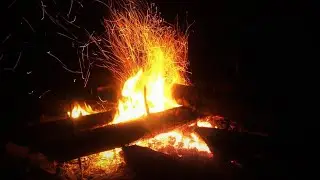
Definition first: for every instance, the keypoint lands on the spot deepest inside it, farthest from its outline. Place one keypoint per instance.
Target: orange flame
(150, 56)
(78, 111)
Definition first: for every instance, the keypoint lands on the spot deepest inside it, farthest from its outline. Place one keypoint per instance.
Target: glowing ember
(78, 111)
(177, 142)
(204, 124)
(109, 158)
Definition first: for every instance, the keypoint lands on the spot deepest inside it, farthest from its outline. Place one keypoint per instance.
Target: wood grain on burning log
(93, 120)
(83, 143)
(65, 128)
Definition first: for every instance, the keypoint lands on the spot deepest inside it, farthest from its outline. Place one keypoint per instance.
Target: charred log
(93, 120)
(193, 97)
(83, 143)
(252, 155)
(65, 128)
(149, 164)
(231, 145)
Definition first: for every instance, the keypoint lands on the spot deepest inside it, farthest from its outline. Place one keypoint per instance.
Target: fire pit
(149, 58)
(154, 133)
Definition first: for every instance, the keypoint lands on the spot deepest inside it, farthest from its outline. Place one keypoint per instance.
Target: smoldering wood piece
(83, 143)
(234, 145)
(93, 120)
(150, 164)
(187, 95)
(193, 97)
(249, 155)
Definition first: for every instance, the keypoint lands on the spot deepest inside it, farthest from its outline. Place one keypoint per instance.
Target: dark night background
(245, 51)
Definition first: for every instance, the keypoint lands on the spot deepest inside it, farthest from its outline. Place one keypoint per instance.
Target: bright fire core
(148, 57)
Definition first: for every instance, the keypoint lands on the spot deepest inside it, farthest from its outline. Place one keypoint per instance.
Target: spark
(11, 4)
(43, 10)
(74, 19)
(79, 3)
(66, 36)
(28, 24)
(30, 92)
(71, 4)
(87, 78)
(102, 99)
(63, 65)
(85, 55)
(29, 72)
(72, 22)
(58, 23)
(5, 39)
(44, 93)
(80, 64)
(17, 62)
(104, 108)
(103, 3)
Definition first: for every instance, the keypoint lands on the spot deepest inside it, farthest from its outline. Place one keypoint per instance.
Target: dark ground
(252, 53)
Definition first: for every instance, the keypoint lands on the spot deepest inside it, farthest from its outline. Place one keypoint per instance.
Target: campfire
(149, 57)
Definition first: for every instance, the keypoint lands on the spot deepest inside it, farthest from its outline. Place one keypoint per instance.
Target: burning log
(93, 120)
(208, 101)
(83, 143)
(232, 145)
(149, 164)
(65, 128)
(191, 96)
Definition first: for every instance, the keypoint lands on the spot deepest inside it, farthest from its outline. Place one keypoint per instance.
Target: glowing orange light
(204, 124)
(78, 111)
(177, 141)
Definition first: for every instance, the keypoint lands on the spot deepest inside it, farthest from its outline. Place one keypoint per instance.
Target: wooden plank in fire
(83, 143)
(65, 128)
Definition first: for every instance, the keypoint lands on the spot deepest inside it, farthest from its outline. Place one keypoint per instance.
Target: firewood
(93, 120)
(232, 145)
(83, 143)
(150, 164)
(64, 128)
(196, 98)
